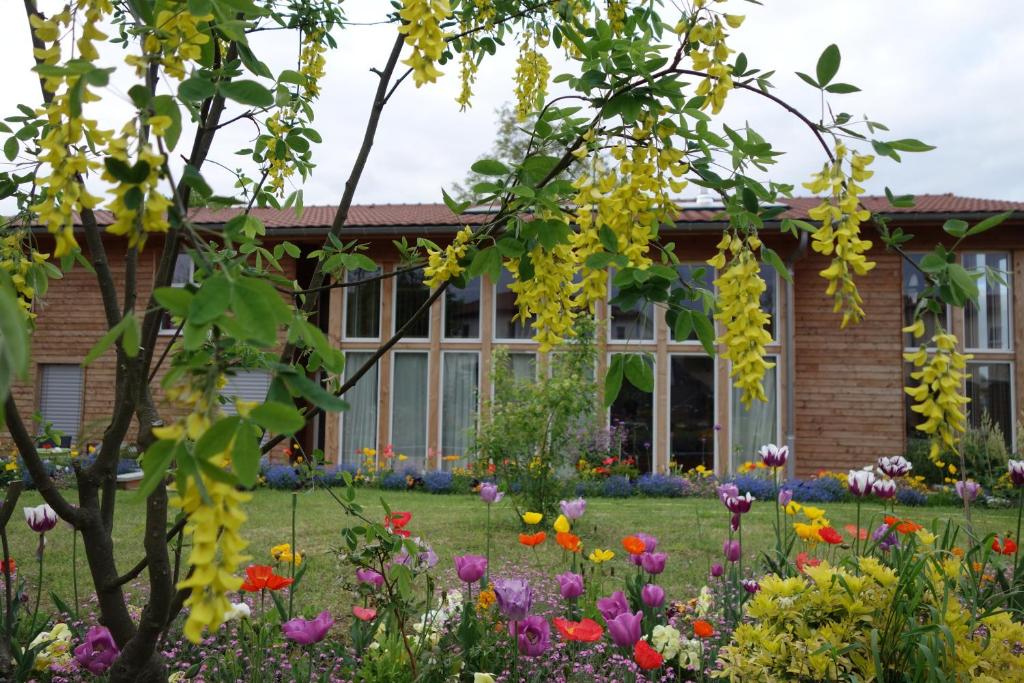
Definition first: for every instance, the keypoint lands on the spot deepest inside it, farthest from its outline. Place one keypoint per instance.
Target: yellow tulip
(599, 556)
(562, 525)
(532, 517)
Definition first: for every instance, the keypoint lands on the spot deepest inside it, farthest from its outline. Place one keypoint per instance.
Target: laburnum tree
(637, 111)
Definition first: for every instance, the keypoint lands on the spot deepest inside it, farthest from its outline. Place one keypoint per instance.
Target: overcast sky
(944, 71)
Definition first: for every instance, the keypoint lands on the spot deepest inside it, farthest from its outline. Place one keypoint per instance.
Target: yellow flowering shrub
(24, 266)
(421, 25)
(531, 79)
(938, 395)
(443, 264)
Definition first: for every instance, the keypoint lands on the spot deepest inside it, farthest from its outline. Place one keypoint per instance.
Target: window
(462, 311)
(989, 388)
(410, 295)
(629, 320)
(687, 273)
(460, 373)
(987, 323)
(505, 310)
(692, 411)
(184, 272)
(247, 385)
(359, 422)
(633, 413)
(60, 399)
(913, 284)
(770, 298)
(409, 408)
(362, 305)
(524, 366)
(752, 428)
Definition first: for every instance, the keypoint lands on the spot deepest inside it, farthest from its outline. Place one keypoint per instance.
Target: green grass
(690, 531)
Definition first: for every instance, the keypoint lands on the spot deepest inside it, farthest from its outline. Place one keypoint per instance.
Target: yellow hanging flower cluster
(617, 16)
(137, 206)
(18, 259)
(532, 72)
(740, 286)
(443, 264)
(175, 40)
(709, 54)
(421, 25)
(468, 65)
(279, 168)
(937, 396)
(841, 215)
(95, 10)
(312, 64)
(548, 296)
(484, 13)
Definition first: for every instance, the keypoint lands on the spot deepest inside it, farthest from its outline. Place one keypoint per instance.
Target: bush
(282, 477)
(911, 497)
(662, 485)
(821, 490)
(394, 481)
(758, 487)
(334, 476)
(617, 487)
(438, 482)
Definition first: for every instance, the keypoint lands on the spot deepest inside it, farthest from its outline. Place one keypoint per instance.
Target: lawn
(690, 531)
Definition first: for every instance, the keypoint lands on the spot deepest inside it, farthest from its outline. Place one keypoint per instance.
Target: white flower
(666, 641)
(58, 647)
(690, 652)
(483, 678)
(237, 611)
(705, 600)
(860, 481)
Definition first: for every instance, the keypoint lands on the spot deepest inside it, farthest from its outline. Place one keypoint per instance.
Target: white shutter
(248, 385)
(60, 397)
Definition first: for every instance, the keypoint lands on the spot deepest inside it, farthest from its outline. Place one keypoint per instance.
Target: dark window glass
(410, 295)
(184, 270)
(913, 284)
(687, 273)
(505, 310)
(770, 298)
(632, 321)
(362, 306)
(692, 411)
(633, 412)
(462, 311)
(989, 388)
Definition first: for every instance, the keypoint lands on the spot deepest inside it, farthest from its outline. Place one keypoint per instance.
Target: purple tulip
(653, 595)
(308, 631)
(369, 576)
(41, 518)
(1016, 469)
(774, 456)
(895, 467)
(470, 568)
(650, 543)
(612, 606)
(860, 482)
(489, 493)
(750, 585)
(570, 585)
(573, 509)
(717, 570)
(968, 490)
(533, 635)
(514, 598)
(727, 491)
(731, 548)
(785, 497)
(653, 563)
(886, 539)
(625, 628)
(734, 521)
(739, 505)
(884, 488)
(99, 650)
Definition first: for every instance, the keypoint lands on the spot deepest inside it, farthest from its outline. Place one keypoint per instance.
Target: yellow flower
(57, 648)
(940, 374)
(562, 525)
(926, 537)
(599, 556)
(451, 458)
(813, 513)
(793, 507)
(479, 677)
(531, 79)
(402, 457)
(421, 24)
(485, 599)
(532, 517)
(283, 553)
(443, 265)
(369, 452)
(807, 532)
(11, 466)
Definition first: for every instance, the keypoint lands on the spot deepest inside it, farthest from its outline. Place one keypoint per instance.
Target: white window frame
(775, 357)
(480, 319)
(1009, 304)
(668, 407)
(391, 401)
(394, 311)
(440, 413)
(345, 306)
(191, 281)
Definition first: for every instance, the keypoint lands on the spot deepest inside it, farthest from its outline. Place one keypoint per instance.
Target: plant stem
(39, 584)
(487, 572)
(856, 533)
(74, 566)
(1016, 539)
(295, 552)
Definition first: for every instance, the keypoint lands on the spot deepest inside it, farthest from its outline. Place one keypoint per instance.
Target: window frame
(656, 413)
(440, 412)
(1009, 350)
(1013, 394)
(391, 402)
(394, 309)
(668, 408)
(376, 409)
(494, 319)
(81, 397)
(480, 318)
(346, 307)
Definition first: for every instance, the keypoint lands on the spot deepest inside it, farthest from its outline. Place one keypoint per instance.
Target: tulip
(98, 651)
(731, 549)
(650, 544)
(364, 613)
(895, 467)
(646, 657)
(562, 525)
(573, 509)
(625, 628)
(1016, 469)
(884, 488)
(533, 635)
(489, 493)
(968, 490)
(860, 482)
(514, 598)
(532, 517)
(785, 497)
(653, 563)
(308, 631)
(41, 518)
(470, 568)
(238, 610)
(612, 606)
(369, 576)
(739, 505)
(726, 491)
(885, 537)
(774, 456)
(717, 570)
(750, 585)
(653, 595)
(570, 585)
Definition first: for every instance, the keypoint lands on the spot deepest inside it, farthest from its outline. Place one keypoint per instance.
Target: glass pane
(182, 271)
(913, 284)
(988, 387)
(409, 410)
(462, 311)
(362, 306)
(410, 295)
(751, 429)
(988, 323)
(630, 322)
(458, 407)
(686, 276)
(505, 309)
(692, 411)
(770, 297)
(359, 422)
(524, 365)
(633, 413)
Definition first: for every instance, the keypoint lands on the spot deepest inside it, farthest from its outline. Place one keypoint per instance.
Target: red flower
(582, 631)
(396, 521)
(532, 540)
(852, 530)
(904, 526)
(570, 542)
(1007, 547)
(262, 577)
(830, 535)
(804, 560)
(703, 629)
(12, 568)
(646, 657)
(633, 545)
(364, 613)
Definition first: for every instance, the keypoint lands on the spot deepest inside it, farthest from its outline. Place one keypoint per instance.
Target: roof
(384, 218)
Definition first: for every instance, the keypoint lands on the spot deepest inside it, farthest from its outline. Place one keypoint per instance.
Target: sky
(943, 71)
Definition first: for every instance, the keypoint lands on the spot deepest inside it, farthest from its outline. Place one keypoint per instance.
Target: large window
(770, 298)
(409, 408)
(633, 412)
(913, 284)
(688, 275)
(987, 324)
(247, 385)
(462, 311)
(184, 271)
(629, 320)
(505, 310)
(753, 427)
(359, 422)
(410, 295)
(460, 372)
(362, 305)
(60, 399)
(989, 388)
(692, 411)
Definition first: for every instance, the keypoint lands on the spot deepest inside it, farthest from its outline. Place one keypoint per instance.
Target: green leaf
(640, 372)
(608, 239)
(278, 417)
(705, 332)
(962, 283)
(955, 227)
(11, 148)
(909, 145)
(125, 173)
(217, 438)
(165, 105)
(490, 167)
(155, 462)
(245, 454)
(130, 336)
(247, 92)
(258, 309)
(196, 89)
(683, 326)
(14, 338)
(828, 65)
(988, 223)
(211, 301)
(808, 80)
(749, 200)
(314, 392)
(195, 180)
(486, 261)
(613, 380)
(842, 88)
(106, 340)
(772, 259)
(175, 300)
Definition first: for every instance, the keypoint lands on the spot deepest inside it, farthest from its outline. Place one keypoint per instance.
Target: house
(835, 396)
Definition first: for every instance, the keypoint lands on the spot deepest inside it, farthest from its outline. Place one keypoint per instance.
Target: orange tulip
(703, 629)
(633, 545)
(570, 542)
(532, 540)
